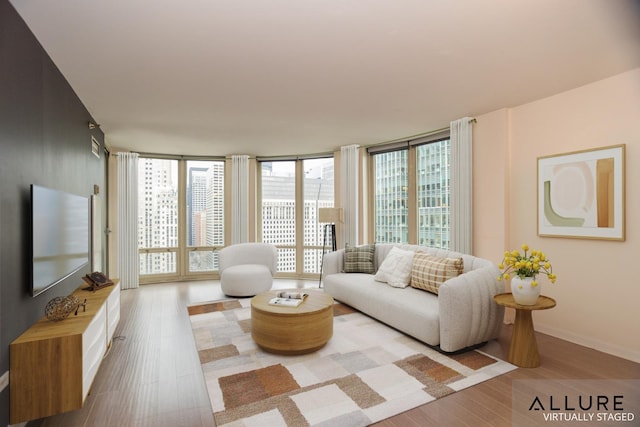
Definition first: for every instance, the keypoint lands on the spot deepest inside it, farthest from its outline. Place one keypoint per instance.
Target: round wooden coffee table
(292, 330)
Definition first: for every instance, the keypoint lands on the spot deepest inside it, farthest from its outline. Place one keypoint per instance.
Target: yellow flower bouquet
(526, 264)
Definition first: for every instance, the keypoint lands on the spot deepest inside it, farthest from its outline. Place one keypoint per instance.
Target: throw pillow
(396, 268)
(429, 272)
(359, 259)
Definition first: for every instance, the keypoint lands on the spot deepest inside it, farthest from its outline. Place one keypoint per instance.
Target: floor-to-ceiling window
(158, 216)
(291, 192)
(180, 217)
(411, 192)
(278, 212)
(318, 190)
(205, 214)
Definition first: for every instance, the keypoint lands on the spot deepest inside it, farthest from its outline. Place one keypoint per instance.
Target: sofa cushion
(428, 272)
(396, 268)
(359, 259)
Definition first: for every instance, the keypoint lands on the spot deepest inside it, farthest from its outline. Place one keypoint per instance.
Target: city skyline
(205, 220)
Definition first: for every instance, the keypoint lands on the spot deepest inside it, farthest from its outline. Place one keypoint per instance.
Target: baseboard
(595, 344)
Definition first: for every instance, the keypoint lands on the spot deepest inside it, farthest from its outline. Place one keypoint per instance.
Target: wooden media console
(53, 364)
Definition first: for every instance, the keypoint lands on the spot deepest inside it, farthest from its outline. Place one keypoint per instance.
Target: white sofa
(463, 314)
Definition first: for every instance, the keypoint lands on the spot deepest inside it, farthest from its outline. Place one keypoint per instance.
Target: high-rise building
(279, 211)
(433, 193)
(391, 197)
(215, 204)
(196, 202)
(157, 214)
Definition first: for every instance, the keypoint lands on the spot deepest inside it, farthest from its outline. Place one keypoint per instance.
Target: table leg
(524, 348)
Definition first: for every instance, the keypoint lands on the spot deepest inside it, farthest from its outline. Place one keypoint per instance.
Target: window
(391, 197)
(205, 214)
(180, 217)
(278, 210)
(157, 215)
(432, 183)
(292, 191)
(411, 192)
(318, 188)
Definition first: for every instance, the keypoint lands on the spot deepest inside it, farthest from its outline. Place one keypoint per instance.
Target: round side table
(524, 348)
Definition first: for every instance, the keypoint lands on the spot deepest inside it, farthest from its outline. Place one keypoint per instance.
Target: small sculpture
(59, 308)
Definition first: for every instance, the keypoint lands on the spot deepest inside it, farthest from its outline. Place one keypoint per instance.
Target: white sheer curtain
(461, 234)
(128, 267)
(349, 192)
(239, 199)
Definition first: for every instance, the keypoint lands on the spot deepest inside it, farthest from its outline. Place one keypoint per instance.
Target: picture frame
(581, 194)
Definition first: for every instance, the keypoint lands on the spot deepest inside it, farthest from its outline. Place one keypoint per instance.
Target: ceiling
(287, 77)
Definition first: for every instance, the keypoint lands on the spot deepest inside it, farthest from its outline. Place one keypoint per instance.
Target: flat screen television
(60, 236)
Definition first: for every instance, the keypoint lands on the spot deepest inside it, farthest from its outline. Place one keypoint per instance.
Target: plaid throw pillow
(428, 272)
(359, 259)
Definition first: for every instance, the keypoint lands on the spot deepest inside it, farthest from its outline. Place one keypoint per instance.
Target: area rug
(367, 371)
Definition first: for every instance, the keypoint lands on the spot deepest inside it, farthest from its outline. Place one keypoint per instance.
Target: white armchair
(247, 269)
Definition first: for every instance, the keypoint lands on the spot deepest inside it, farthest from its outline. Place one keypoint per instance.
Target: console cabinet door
(113, 312)
(94, 345)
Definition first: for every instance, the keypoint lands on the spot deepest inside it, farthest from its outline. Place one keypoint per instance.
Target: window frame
(299, 247)
(411, 145)
(182, 250)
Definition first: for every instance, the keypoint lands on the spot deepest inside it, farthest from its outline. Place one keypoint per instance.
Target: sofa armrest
(333, 262)
(468, 313)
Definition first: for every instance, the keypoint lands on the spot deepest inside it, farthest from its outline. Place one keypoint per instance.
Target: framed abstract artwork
(581, 194)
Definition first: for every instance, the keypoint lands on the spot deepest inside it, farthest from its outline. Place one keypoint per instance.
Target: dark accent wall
(44, 140)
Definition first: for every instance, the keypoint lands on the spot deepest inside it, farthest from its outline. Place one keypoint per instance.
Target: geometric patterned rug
(367, 371)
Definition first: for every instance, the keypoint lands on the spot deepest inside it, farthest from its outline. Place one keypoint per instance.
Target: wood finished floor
(152, 375)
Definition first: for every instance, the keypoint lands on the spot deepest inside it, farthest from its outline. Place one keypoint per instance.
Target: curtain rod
(229, 156)
(297, 157)
(165, 156)
(416, 136)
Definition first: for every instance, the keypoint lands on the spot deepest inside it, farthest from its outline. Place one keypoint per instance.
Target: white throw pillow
(396, 268)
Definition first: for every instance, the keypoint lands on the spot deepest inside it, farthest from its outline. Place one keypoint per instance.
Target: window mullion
(412, 202)
(299, 217)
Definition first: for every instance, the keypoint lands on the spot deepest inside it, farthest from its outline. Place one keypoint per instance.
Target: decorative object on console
(525, 267)
(59, 308)
(96, 280)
